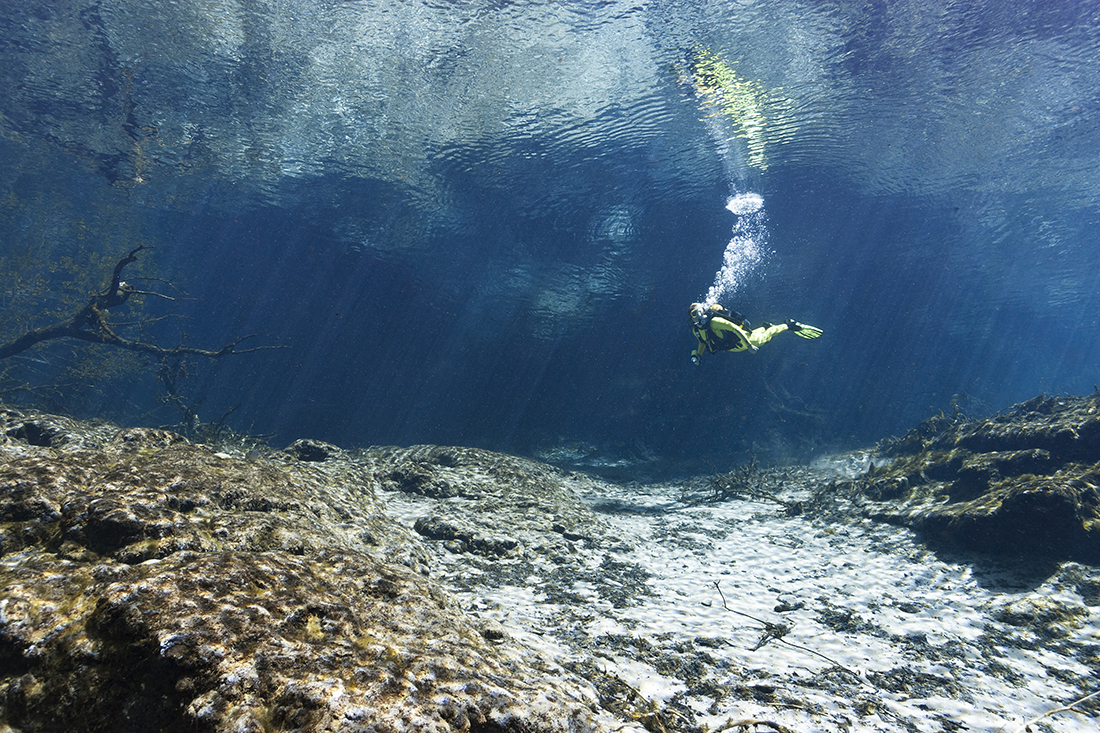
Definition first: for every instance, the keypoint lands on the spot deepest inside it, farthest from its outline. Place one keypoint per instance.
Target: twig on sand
(748, 481)
(777, 632)
(1071, 708)
(651, 717)
(750, 722)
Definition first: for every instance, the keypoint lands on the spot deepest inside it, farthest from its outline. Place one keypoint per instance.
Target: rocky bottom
(151, 583)
(726, 611)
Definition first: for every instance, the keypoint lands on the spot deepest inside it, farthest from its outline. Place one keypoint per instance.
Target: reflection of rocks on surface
(1024, 481)
(153, 584)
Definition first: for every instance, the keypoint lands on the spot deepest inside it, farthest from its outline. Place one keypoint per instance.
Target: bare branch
(116, 279)
(90, 324)
(752, 723)
(777, 632)
(134, 291)
(1070, 708)
(180, 294)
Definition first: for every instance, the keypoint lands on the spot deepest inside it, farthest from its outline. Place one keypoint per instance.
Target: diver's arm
(698, 352)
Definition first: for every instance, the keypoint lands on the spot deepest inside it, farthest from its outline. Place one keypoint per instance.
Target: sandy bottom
(729, 611)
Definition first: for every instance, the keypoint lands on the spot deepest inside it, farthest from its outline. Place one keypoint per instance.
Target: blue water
(482, 223)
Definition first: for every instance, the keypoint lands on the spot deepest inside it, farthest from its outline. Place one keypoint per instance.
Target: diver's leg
(764, 334)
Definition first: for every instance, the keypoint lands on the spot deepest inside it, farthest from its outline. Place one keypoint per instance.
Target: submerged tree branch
(1070, 708)
(777, 632)
(90, 324)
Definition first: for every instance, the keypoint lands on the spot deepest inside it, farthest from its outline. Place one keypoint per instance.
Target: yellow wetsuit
(722, 334)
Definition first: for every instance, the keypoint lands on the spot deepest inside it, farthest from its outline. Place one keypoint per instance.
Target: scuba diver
(720, 330)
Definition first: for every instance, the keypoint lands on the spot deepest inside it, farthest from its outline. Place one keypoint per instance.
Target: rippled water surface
(483, 222)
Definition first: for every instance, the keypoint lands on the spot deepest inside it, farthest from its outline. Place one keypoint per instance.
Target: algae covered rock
(1026, 481)
(259, 641)
(150, 493)
(478, 487)
(150, 583)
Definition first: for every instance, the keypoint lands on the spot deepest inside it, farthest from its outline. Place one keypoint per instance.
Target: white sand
(929, 644)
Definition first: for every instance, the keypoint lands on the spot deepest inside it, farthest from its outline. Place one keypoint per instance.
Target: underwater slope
(152, 583)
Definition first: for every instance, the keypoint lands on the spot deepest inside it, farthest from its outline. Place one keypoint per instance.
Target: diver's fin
(808, 332)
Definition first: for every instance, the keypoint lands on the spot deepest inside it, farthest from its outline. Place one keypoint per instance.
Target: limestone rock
(308, 449)
(154, 584)
(1026, 481)
(260, 641)
(493, 505)
(34, 429)
(151, 493)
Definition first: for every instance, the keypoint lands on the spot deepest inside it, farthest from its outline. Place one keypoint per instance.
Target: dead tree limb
(752, 723)
(777, 632)
(90, 324)
(1070, 708)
